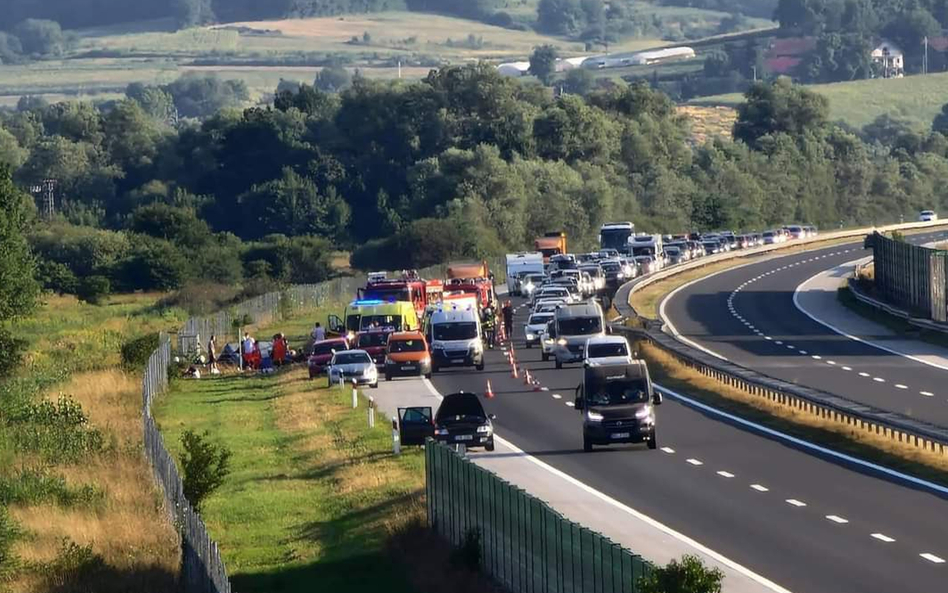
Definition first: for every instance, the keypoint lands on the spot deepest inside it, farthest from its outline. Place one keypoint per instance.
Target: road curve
(804, 522)
(748, 316)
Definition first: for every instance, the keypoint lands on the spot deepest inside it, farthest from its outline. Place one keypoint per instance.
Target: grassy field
(859, 102)
(314, 495)
(709, 122)
(72, 475)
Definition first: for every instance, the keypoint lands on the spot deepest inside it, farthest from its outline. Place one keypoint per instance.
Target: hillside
(861, 101)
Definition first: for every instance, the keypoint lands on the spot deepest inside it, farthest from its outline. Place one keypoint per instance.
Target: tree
(579, 81)
(11, 49)
(560, 17)
(205, 465)
(781, 106)
(11, 154)
(333, 79)
(543, 63)
(19, 290)
(201, 95)
(940, 124)
(192, 13)
(41, 37)
(153, 264)
(688, 575)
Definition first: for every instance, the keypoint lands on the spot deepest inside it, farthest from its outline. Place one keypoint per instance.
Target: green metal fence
(525, 545)
(910, 277)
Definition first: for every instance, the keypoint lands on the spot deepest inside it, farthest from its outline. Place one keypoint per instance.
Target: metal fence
(524, 544)
(910, 277)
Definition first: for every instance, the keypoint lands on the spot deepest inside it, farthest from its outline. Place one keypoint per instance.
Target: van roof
(634, 370)
(587, 309)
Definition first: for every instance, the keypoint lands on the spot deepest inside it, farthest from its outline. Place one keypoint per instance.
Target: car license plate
(464, 437)
(620, 435)
(408, 368)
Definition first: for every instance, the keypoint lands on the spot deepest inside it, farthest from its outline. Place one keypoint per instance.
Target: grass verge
(838, 436)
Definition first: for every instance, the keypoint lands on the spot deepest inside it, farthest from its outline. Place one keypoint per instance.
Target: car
(530, 282)
(407, 354)
(618, 405)
(461, 420)
(548, 305)
(674, 255)
(552, 291)
(927, 216)
(796, 232)
(373, 341)
(547, 342)
(711, 247)
(607, 350)
(322, 353)
(572, 326)
(770, 237)
(456, 338)
(647, 263)
(535, 327)
(353, 366)
(596, 275)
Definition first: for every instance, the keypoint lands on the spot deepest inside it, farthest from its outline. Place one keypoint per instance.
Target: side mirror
(657, 398)
(492, 416)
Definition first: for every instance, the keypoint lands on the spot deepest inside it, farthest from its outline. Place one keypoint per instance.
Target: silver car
(353, 366)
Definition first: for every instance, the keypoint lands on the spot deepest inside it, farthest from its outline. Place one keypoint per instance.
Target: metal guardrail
(524, 544)
(896, 427)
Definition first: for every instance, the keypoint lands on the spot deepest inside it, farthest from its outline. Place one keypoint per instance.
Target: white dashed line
(847, 368)
(694, 461)
(725, 474)
(932, 558)
(927, 393)
(816, 357)
(760, 488)
(795, 502)
(831, 362)
(878, 379)
(803, 352)
(900, 386)
(570, 404)
(864, 374)
(557, 396)
(883, 538)
(668, 450)
(768, 338)
(779, 342)
(791, 347)
(837, 519)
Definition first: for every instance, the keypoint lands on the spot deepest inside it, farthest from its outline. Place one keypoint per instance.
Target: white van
(520, 265)
(454, 333)
(573, 325)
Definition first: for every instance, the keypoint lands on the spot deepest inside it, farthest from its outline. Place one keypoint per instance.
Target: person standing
(247, 347)
(212, 355)
(508, 318)
(319, 333)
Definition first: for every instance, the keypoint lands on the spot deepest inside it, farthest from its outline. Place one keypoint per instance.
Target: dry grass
(835, 434)
(708, 122)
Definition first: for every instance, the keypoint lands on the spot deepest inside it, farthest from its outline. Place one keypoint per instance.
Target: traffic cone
(527, 379)
(513, 371)
(490, 392)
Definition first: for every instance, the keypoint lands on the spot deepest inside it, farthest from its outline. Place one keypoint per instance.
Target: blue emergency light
(367, 303)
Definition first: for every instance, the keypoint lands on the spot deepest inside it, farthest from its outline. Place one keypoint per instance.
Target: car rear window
(461, 405)
(319, 349)
(604, 350)
(406, 346)
(351, 358)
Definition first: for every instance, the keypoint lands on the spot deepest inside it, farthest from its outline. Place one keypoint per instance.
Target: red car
(373, 342)
(322, 354)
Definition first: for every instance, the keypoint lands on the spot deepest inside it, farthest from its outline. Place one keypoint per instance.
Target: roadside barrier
(523, 543)
(911, 277)
(897, 428)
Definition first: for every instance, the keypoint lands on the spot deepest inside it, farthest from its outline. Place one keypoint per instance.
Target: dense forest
(464, 162)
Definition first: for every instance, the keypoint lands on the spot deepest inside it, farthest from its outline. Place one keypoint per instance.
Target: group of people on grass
(251, 355)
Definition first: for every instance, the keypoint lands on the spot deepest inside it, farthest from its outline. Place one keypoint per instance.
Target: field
(709, 122)
(859, 102)
(72, 475)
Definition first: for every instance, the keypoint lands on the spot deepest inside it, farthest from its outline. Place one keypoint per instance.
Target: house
(662, 55)
(514, 69)
(888, 60)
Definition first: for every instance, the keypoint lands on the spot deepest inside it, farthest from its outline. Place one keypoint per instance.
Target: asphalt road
(809, 524)
(747, 315)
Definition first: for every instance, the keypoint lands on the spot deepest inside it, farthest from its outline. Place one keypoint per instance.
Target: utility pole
(46, 191)
(755, 73)
(925, 56)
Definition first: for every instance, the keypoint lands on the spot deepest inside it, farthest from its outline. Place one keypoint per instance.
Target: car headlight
(531, 336)
(593, 416)
(484, 429)
(620, 275)
(426, 360)
(351, 336)
(644, 412)
(369, 371)
(478, 346)
(441, 432)
(561, 341)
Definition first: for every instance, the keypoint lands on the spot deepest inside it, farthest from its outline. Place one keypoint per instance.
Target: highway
(748, 316)
(806, 523)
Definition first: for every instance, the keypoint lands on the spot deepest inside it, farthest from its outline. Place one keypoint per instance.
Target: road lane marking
(900, 386)
(878, 379)
(816, 357)
(837, 519)
(863, 374)
(760, 488)
(668, 450)
(883, 538)
(791, 347)
(831, 362)
(725, 474)
(557, 396)
(847, 368)
(570, 404)
(779, 342)
(803, 352)
(927, 393)
(795, 502)
(768, 338)
(932, 558)
(694, 461)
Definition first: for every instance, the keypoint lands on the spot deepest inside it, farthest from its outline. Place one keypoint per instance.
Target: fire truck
(472, 278)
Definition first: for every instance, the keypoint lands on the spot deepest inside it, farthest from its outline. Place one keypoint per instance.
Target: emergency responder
(508, 318)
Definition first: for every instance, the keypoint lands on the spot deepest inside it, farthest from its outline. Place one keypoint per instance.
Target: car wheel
(490, 446)
(375, 385)
(587, 445)
(479, 367)
(328, 383)
(559, 365)
(428, 376)
(388, 376)
(527, 345)
(653, 442)
(545, 357)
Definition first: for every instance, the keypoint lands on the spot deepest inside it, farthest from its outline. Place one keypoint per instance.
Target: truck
(472, 278)
(551, 244)
(616, 235)
(520, 265)
(408, 287)
(649, 245)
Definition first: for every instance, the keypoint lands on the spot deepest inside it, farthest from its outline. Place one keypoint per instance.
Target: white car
(552, 292)
(607, 350)
(353, 366)
(535, 328)
(548, 305)
(927, 216)
(547, 344)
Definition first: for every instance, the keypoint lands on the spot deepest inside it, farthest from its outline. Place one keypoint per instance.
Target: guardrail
(896, 427)
(525, 545)
(865, 299)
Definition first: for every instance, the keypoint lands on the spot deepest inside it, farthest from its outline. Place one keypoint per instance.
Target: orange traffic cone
(490, 392)
(527, 379)
(513, 370)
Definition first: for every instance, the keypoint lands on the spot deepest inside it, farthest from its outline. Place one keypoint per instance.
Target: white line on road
(795, 502)
(831, 362)
(816, 357)
(803, 352)
(837, 519)
(883, 538)
(900, 386)
(760, 488)
(570, 404)
(725, 474)
(878, 379)
(847, 368)
(557, 396)
(694, 461)
(927, 393)
(932, 558)
(668, 450)
(864, 374)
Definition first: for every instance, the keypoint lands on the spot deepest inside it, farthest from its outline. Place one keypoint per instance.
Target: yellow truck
(551, 244)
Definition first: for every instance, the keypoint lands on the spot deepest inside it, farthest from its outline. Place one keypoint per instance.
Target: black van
(618, 405)
(461, 420)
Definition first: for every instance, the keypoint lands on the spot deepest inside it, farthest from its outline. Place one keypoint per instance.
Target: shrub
(92, 289)
(135, 352)
(73, 566)
(57, 431)
(41, 37)
(205, 466)
(11, 353)
(9, 533)
(689, 575)
(56, 277)
(36, 486)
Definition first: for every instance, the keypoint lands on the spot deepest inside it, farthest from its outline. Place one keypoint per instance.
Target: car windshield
(323, 349)
(768, 234)
(351, 358)
(604, 350)
(611, 267)
(539, 319)
(406, 346)
(672, 250)
(580, 326)
(617, 393)
(389, 322)
(456, 330)
(373, 339)
(534, 278)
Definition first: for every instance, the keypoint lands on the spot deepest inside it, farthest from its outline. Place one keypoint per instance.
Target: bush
(135, 352)
(468, 554)
(92, 289)
(41, 37)
(154, 264)
(57, 431)
(205, 466)
(9, 533)
(11, 353)
(57, 277)
(686, 576)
